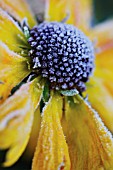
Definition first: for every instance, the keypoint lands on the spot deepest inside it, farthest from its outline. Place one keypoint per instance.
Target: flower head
(62, 54)
(46, 69)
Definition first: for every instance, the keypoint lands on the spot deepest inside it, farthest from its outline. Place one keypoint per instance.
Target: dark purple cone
(63, 54)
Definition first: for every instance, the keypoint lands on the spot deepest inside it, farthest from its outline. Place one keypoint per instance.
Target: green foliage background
(102, 10)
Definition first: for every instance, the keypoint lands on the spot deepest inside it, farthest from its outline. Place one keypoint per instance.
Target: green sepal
(46, 93)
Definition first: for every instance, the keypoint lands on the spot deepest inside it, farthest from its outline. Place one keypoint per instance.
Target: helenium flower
(55, 70)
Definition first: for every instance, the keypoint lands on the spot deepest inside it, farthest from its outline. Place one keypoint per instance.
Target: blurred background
(102, 10)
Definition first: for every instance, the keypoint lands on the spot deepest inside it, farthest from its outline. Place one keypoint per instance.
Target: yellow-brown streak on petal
(13, 69)
(90, 143)
(18, 9)
(80, 12)
(16, 117)
(51, 152)
(11, 34)
(101, 100)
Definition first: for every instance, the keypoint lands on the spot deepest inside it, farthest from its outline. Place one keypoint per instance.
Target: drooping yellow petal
(13, 69)
(16, 117)
(36, 129)
(80, 11)
(18, 9)
(51, 152)
(101, 100)
(90, 143)
(11, 34)
(34, 135)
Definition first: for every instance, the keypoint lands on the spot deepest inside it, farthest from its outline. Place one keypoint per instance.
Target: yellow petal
(11, 34)
(80, 11)
(51, 152)
(104, 59)
(104, 68)
(101, 100)
(56, 10)
(36, 129)
(104, 65)
(18, 9)
(103, 35)
(13, 68)
(34, 135)
(16, 117)
(90, 143)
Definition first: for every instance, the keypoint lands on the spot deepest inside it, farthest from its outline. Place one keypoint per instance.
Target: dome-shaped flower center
(62, 54)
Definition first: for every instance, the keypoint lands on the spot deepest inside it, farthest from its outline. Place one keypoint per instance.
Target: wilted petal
(101, 100)
(18, 9)
(80, 11)
(90, 143)
(11, 34)
(51, 152)
(13, 68)
(16, 117)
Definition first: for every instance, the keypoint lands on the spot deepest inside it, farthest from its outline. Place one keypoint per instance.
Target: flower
(74, 129)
